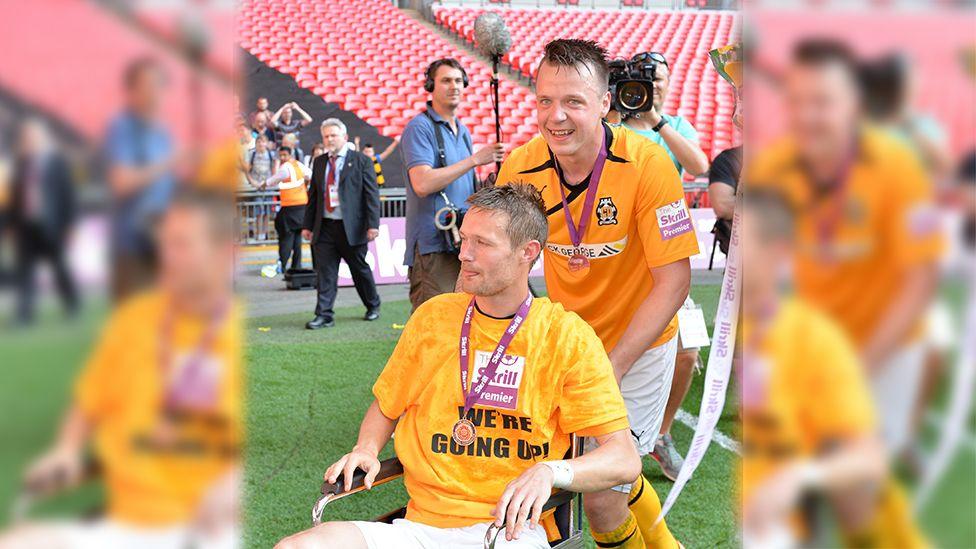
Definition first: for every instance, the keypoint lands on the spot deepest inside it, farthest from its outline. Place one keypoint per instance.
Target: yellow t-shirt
(554, 380)
(887, 224)
(803, 388)
(155, 471)
(639, 221)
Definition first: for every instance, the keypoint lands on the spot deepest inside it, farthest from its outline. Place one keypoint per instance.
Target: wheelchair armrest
(390, 469)
(558, 498)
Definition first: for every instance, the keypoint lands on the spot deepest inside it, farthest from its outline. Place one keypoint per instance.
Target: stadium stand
(369, 57)
(85, 32)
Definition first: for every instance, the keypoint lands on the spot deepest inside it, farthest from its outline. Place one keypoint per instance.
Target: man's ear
(531, 251)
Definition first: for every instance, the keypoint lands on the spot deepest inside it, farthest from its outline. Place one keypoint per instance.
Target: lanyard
(471, 396)
(576, 232)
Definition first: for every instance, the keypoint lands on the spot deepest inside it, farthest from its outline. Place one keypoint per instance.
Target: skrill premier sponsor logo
(502, 390)
(673, 219)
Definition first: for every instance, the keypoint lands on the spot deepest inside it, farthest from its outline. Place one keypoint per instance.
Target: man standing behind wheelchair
(480, 437)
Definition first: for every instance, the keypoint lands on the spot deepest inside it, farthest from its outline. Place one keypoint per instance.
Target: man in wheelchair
(482, 391)
(158, 402)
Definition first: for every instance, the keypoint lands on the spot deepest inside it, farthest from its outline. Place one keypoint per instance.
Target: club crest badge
(606, 212)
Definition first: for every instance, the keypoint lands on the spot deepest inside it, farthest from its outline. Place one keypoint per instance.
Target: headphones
(432, 70)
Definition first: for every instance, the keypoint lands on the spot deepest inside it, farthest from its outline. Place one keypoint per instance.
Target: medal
(463, 432)
(578, 262)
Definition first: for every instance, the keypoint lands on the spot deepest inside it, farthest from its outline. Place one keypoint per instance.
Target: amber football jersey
(639, 221)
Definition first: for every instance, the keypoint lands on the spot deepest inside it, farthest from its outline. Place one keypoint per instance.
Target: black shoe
(371, 315)
(320, 322)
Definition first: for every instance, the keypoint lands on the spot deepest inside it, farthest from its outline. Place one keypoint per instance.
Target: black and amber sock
(645, 506)
(625, 536)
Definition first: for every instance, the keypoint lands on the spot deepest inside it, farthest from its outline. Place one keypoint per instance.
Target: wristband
(657, 127)
(562, 473)
(811, 475)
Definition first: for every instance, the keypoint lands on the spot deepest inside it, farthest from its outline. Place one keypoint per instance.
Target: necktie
(329, 182)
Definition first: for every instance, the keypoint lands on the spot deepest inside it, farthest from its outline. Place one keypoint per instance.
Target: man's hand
(488, 154)
(57, 469)
(772, 501)
(307, 234)
(653, 116)
(371, 234)
(347, 465)
(219, 510)
(523, 500)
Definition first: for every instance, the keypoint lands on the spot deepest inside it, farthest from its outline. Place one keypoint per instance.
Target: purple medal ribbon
(187, 388)
(471, 396)
(576, 233)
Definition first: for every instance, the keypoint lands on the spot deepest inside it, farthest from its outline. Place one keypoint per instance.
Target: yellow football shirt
(803, 388)
(885, 224)
(639, 221)
(156, 471)
(554, 380)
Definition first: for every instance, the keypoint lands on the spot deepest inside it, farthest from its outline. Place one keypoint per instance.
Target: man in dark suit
(342, 216)
(43, 211)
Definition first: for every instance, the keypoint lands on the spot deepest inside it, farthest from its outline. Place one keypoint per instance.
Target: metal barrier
(256, 211)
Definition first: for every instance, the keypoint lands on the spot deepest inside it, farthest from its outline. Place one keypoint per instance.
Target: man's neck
(505, 303)
(199, 303)
(444, 111)
(826, 165)
(761, 302)
(578, 166)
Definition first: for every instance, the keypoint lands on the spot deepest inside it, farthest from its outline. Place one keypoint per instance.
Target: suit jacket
(57, 197)
(359, 197)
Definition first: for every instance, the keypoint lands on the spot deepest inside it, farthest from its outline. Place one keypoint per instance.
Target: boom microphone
(491, 35)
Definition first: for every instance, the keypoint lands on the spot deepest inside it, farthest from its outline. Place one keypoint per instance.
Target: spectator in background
(317, 150)
(261, 108)
(680, 139)
(342, 217)
(141, 159)
(284, 121)
(261, 126)
(244, 143)
(440, 163)
(43, 200)
(377, 159)
(673, 132)
(890, 88)
(290, 140)
(723, 181)
(290, 180)
(261, 163)
(158, 403)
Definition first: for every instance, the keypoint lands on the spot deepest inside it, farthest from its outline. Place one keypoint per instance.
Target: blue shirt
(134, 142)
(680, 125)
(418, 145)
(340, 161)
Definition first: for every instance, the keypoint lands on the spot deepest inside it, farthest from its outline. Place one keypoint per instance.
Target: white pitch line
(719, 437)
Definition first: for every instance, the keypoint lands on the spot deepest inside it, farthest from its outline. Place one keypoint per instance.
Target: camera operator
(638, 89)
(673, 132)
(440, 162)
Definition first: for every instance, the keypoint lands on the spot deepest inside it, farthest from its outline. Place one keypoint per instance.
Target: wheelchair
(564, 509)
